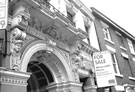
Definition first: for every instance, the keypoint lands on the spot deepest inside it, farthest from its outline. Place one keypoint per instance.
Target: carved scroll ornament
(17, 38)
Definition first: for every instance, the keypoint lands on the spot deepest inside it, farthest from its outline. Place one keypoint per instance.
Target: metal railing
(52, 9)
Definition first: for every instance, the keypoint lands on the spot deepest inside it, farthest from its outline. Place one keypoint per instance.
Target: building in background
(46, 47)
(121, 44)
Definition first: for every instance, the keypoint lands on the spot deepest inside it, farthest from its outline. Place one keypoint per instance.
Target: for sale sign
(104, 69)
(3, 13)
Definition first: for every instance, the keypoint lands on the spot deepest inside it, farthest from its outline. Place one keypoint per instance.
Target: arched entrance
(43, 67)
(40, 77)
(49, 67)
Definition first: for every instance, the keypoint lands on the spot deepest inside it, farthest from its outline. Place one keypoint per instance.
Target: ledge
(111, 48)
(131, 78)
(109, 41)
(124, 55)
(133, 54)
(123, 48)
(119, 75)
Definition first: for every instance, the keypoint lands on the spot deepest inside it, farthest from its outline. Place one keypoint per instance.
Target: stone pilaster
(13, 81)
(90, 85)
(65, 87)
(90, 88)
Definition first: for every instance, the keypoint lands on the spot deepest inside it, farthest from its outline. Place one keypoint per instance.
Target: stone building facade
(46, 47)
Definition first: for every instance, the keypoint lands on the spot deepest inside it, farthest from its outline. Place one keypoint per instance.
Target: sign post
(3, 13)
(104, 69)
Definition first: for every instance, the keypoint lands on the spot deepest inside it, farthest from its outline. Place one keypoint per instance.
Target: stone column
(89, 85)
(65, 87)
(13, 81)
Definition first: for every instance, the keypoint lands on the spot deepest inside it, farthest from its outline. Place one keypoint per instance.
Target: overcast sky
(122, 12)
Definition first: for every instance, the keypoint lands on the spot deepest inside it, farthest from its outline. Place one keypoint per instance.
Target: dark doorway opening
(40, 77)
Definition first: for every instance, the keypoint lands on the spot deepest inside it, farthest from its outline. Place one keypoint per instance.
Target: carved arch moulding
(41, 45)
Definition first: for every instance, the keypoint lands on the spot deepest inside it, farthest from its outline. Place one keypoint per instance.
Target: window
(131, 46)
(120, 39)
(106, 32)
(70, 16)
(44, 2)
(115, 64)
(87, 30)
(127, 67)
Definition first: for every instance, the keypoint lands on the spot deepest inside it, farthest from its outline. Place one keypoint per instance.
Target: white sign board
(104, 69)
(3, 13)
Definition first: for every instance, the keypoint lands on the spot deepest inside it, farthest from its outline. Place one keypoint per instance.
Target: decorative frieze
(4, 80)
(13, 78)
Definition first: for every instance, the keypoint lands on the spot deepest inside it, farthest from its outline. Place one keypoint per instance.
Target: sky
(122, 12)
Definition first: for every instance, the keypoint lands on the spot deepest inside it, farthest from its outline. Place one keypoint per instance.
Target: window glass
(115, 64)
(131, 46)
(127, 66)
(120, 39)
(70, 16)
(106, 32)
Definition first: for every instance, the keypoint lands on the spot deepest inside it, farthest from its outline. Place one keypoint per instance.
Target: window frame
(126, 59)
(131, 47)
(106, 31)
(107, 35)
(87, 30)
(114, 57)
(115, 63)
(121, 40)
(70, 16)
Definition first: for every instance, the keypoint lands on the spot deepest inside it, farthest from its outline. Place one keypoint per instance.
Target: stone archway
(61, 72)
(40, 77)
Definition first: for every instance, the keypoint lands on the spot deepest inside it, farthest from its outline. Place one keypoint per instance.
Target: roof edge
(94, 10)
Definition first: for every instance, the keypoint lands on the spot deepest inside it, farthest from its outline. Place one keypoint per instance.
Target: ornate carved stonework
(51, 31)
(75, 64)
(80, 58)
(20, 16)
(45, 55)
(18, 35)
(18, 39)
